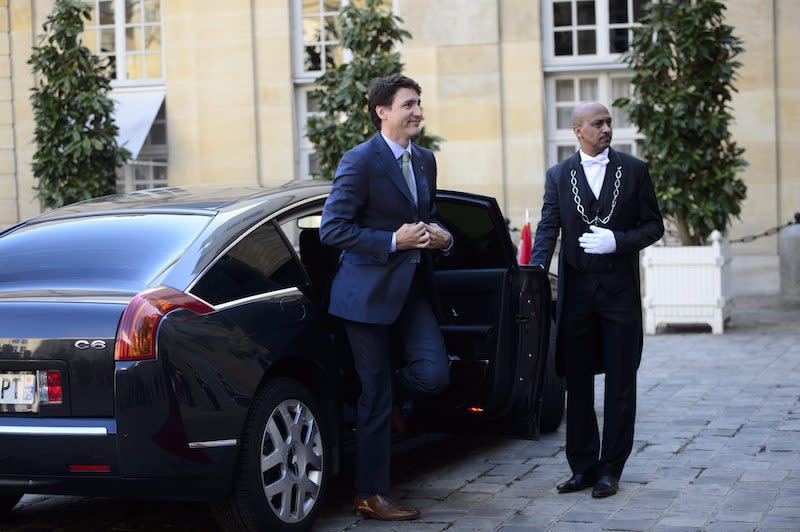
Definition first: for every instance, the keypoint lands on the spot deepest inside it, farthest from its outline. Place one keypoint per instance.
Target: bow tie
(600, 160)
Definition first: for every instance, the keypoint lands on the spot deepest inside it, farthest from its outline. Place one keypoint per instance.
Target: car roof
(194, 199)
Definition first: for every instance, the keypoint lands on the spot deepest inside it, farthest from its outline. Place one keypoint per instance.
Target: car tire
(279, 487)
(8, 501)
(554, 389)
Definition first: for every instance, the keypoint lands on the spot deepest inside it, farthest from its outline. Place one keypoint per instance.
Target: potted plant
(683, 60)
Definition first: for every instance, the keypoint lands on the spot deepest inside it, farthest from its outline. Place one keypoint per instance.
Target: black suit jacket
(636, 223)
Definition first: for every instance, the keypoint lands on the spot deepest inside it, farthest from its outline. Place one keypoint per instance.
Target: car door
(495, 314)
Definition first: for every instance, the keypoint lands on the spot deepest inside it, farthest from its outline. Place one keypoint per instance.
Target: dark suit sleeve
(651, 225)
(550, 224)
(348, 196)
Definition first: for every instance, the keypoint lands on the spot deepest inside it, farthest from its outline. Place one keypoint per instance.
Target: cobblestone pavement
(717, 448)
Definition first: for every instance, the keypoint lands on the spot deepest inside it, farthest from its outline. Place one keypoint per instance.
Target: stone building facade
(218, 92)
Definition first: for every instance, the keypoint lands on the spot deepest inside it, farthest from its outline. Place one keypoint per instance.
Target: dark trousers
(596, 322)
(425, 373)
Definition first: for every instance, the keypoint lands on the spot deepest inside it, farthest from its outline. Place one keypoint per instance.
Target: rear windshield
(121, 252)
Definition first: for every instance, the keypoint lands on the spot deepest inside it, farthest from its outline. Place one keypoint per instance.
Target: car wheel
(8, 501)
(554, 389)
(282, 471)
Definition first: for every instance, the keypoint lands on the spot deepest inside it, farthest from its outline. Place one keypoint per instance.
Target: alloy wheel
(292, 461)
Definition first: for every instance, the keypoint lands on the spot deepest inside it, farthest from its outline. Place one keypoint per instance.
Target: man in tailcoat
(602, 202)
(381, 214)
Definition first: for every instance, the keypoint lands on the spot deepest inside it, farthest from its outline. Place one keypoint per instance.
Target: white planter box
(687, 284)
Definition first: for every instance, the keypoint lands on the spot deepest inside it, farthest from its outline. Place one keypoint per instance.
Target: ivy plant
(76, 139)
(369, 32)
(683, 60)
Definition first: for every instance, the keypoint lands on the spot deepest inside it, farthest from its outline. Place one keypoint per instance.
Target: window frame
(301, 75)
(128, 181)
(120, 44)
(150, 157)
(561, 137)
(304, 81)
(305, 150)
(504, 255)
(234, 299)
(603, 57)
(274, 219)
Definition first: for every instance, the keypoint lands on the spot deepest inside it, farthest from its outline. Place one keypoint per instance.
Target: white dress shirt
(595, 170)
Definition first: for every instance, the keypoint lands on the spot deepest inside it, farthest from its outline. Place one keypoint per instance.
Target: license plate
(17, 388)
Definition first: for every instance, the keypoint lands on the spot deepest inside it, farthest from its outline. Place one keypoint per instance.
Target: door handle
(294, 308)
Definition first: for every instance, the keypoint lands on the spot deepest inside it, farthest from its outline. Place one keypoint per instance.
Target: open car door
(495, 316)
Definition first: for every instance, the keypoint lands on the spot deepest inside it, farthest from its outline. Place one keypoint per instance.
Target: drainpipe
(500, 76)
(256, 100)
(17, 202)
(776, 88)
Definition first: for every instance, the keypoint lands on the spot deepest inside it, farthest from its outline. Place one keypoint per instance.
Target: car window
(261, 262)
(122, 252)
(478, 243)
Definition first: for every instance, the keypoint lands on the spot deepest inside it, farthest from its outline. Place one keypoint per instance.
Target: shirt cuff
(449, 247)
(394, 243)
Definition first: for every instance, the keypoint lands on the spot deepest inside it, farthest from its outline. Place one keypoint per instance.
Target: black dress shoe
(606, 486)
(578, 482)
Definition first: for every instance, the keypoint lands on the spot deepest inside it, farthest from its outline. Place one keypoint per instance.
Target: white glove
(599, 242)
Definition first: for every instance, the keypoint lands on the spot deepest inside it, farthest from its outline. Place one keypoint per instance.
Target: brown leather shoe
(383, 508)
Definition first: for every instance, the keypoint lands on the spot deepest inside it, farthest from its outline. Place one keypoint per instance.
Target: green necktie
(407, 172)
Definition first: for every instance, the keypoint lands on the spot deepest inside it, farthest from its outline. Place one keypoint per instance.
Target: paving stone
(684, 519)
(738, 516)
(628, 524)
(729, 527)
(717, 449)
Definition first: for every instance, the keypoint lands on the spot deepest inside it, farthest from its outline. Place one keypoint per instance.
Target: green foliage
(684, 69)
(77, 152)
(370, 32)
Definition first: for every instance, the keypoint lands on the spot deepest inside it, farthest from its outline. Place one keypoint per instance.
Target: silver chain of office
(579, 206)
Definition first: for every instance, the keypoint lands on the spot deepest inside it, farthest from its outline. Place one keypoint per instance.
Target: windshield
(118, 253)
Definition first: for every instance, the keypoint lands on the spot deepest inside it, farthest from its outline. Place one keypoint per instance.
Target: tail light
(136, 334)
(50, 391)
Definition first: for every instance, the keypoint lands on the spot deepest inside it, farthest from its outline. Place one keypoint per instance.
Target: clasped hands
(599, 242)
(422, 236)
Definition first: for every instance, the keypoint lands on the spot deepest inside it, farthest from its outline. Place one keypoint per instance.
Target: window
(583, 43)
(261, 262)
(320, 35)
(564, 91)
(129, 34)
(119, 252)
(316, 49)
(149, 169)
(588, 30)
(307, 106)
(480, 241)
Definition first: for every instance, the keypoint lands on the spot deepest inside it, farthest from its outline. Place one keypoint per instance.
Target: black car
(174, 343)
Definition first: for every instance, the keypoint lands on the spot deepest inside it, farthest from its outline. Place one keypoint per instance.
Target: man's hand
(411, 236)
(599, 242)
(440, 238)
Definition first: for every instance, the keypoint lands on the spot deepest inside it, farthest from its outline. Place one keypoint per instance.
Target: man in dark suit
(603, 203)
(381, 214)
